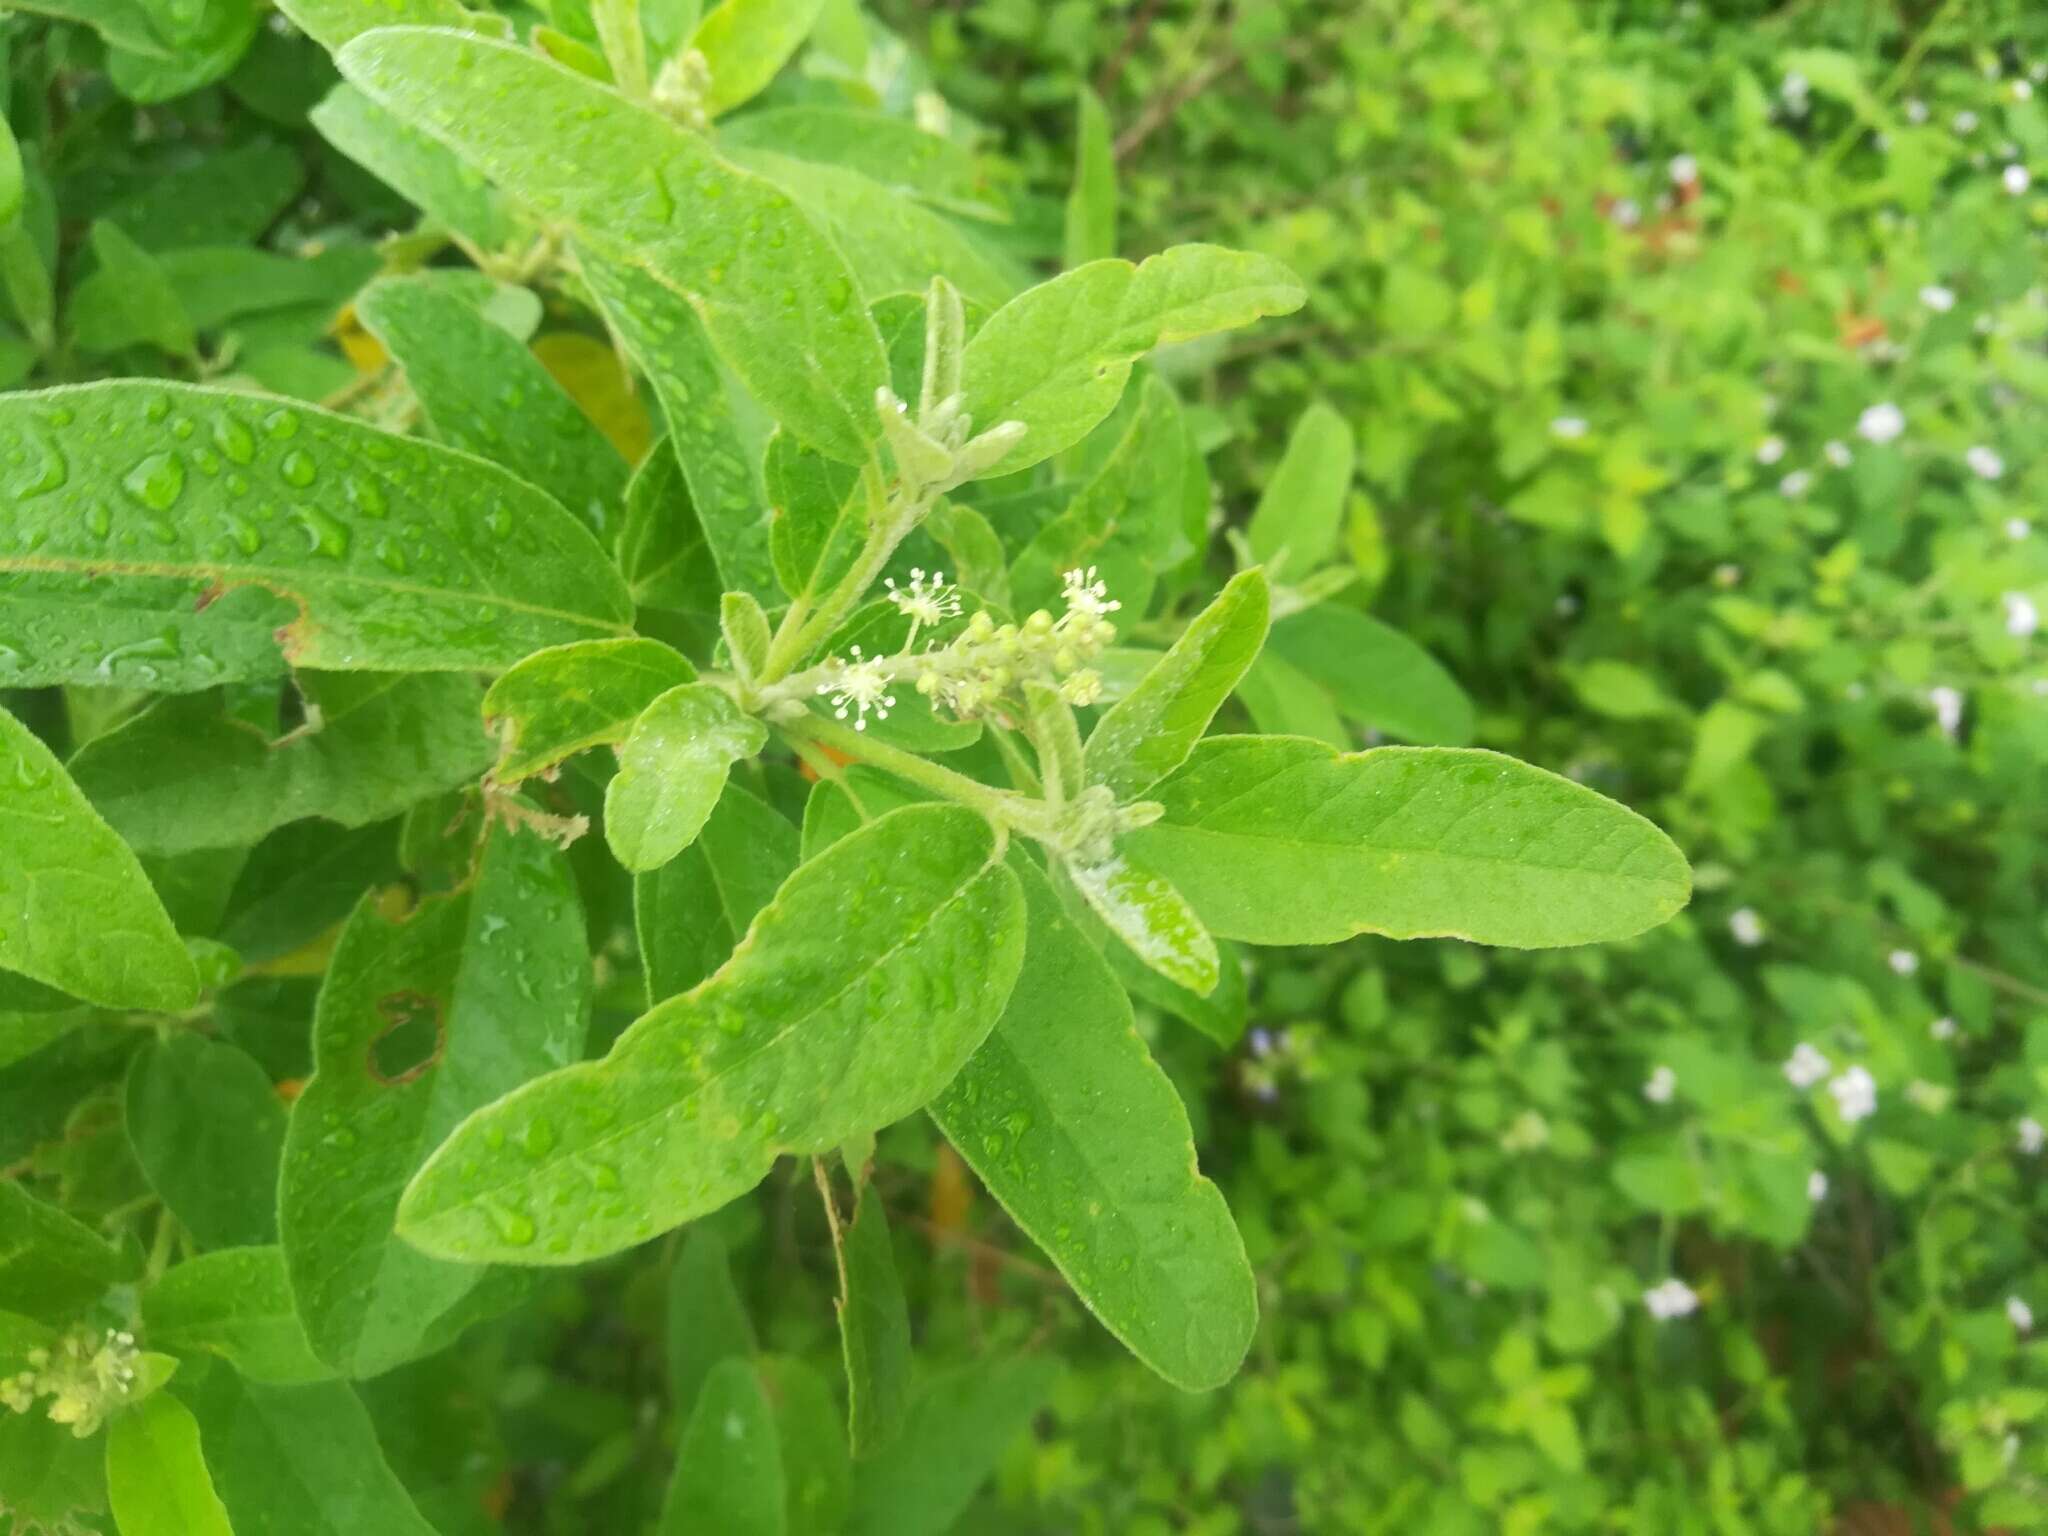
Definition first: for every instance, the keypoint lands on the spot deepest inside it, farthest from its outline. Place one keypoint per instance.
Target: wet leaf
(693, 911)
(728, 1476)
(49, 1263)
(569, 698)
(235, 1303)
(672, 770)
(208, 1129)
(874, 1328)
(157, 1481)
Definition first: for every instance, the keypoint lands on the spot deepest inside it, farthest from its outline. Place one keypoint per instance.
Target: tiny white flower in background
(1566, 605)
(1984, 462)
(1855, 1094)
(2022, 618)
(1948, 708)
(1881, 422)
(933, 115)
(1943, 1028)
(1965, 122)
(1261, 1042)
(1085, 593)
(1796, 484)
(2017, 527)
(2029, 1136)
(860, 686)
(1748, 930)
(1881, 142)
(1568, 427)
(1837, 454)
(1672, 1298)
(1727, 575)
(1984, 325)
(2023, 90)
(927, 600)
(1627, 212)
(1794, 88)
(1931, 1098)
(2020, 1313)
(1916, 110)
(1806, 1066)
(1903, 962)
(1662, 1084)
(1937, 298)
(1816, 1185)
(1684, 169)
(1770, 450)
(2016, 179)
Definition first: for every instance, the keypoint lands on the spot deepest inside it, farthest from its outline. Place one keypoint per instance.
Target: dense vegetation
(1651, 395)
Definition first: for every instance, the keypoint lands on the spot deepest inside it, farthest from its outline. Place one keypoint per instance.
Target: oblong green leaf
(60, 861)
(874, 1327)
(49, 1263)
(889, 150)
(1074, 1128)
(959, 1428)
(235, 1303)
(775, 297)
(728, 1477)
(672, 770)
(746, 41)
(569, 698)
(1149, 732)
(1282, 840)
(423, 170)
(333, 22)
(208, 1129)
(1375, 674)
(1295, 525)
(1057, 356)
(1152, 920)
(858, 992)
(174, 536)
(419, 1022)
(1091, 200)
(692, 912)
(157, 1481)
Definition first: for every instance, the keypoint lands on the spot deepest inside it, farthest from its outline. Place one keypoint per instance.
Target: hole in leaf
(411, 1039)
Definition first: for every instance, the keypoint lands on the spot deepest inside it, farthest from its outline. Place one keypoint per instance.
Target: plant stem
(1006, 808)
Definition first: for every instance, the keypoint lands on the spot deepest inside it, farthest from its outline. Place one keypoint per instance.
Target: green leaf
(184, 775)
(50, 1480)
(1057, 356)
(706, 434)
(219, 283)
(228, 534)
(1278, 840)
(707, 1320)
(663, 551)
(301, 1459)
(858, 992)
(421, 1021)
(746, 42)
(567, 699)
(959, 1428)
(484, 391)
(728, 1475)
(1301, 509)
(1091, 202)
(332, 23)
(1377, 675)
(672, 770)
(775, 297)
(1153, 920)
(235, 1303)
(1074, 1128)
(128, 301)
(1284, 701)
(888, 150)
(693, 911)
(157, 1481)
(1621, 692)
(58, 859)
(13, 185)
(817, 1474)
(820, 512)
(1149, 732)
(207, 40)
(422, 170)
(227, 198)
(49, 1263)
(121, 22)
(874, 1328)
(208, 1129)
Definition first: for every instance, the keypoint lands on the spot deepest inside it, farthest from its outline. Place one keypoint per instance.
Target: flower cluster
(977, 670)
(85, 1377)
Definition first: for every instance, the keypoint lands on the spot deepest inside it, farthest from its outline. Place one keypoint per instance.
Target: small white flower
(1881, 422)
(1916, 110)
(1727, 574)
(2022, 618)
(860, 686)
(1943, 1028)
(1626, 212)
(1948, 708)
(1662, 1084)
(2029, 1136)
(1087, 595)
(1855, 1095)
(933, 114)
(1937, 298)
(2020, 1314)
(2023, 90)
(1903, 962)
(1837, 454)
(2016, 179)
(1672, 1298)
(1082, 687)
(1770, 450)
(1568, 427)
(1794, 88)
(1566, 605)
(1747, 928)
(1984, 462)
(1684, 170)
(1806, 1066)
(1816, 1186)
(927, 600)
(1796, 484)
(2017, 528)
(1965, 122)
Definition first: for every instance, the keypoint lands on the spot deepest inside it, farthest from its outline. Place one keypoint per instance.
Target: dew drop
(539, 1138)
(515, 1227)
(325, 536)
(156, 481)
(234, 439)
(282, 424)
(298, 468)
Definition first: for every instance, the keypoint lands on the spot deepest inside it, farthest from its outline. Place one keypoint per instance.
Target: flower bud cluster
(682, 89)
(939, 451)
(86, 1377)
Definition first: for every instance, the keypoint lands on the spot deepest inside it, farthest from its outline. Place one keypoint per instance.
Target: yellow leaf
(589, 371)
